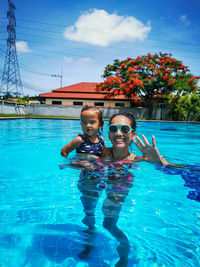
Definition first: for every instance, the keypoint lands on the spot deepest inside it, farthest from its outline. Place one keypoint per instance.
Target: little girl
(90, 143)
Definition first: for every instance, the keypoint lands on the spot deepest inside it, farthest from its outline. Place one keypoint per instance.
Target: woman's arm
(71, 146)
(151, 153)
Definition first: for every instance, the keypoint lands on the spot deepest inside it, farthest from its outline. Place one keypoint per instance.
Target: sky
(76, 39)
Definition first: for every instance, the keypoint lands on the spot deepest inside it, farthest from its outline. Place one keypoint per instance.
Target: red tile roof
(81, 96)
(82, 90)
(78, 87)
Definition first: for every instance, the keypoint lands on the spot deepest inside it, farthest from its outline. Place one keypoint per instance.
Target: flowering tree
(145, 76)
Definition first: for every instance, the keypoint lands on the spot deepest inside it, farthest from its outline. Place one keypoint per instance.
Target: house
(81, 94)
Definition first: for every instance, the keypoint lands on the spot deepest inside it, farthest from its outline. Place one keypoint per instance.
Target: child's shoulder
(101, 139)
(78, 138)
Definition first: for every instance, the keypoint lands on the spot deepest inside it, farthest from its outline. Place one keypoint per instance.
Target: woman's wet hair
(100, 117)
(128, 115)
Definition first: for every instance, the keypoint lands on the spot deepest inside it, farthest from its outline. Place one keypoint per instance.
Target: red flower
(166, 77)
(181, 67)
(130, 69)
(193, 78)
(171, 81)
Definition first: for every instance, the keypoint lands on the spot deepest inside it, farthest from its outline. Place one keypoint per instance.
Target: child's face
(90, 122)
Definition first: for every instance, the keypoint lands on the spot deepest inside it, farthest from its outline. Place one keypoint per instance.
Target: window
(77, 103)
(55, 102)
(100, 104)
(119, 105)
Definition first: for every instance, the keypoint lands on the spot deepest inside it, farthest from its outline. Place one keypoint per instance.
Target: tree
(185, 108)
(185, 105)
(7, 96)
(144, 77)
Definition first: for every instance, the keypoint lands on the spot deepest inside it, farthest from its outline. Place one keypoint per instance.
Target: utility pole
(11, 80)
(59, 76)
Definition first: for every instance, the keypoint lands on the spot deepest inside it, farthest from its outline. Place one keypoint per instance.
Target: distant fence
(7, 107)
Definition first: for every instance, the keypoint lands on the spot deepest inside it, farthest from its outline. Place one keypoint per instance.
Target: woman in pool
(111, 172)
(122, 131)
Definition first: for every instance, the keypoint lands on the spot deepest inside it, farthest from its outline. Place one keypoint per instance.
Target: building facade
(82, 94)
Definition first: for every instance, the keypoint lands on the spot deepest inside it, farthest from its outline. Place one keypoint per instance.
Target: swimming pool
(41, 211)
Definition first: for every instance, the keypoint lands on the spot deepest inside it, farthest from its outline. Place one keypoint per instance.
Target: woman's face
(120, 140)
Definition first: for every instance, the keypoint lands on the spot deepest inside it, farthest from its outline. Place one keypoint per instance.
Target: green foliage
(23, 100)
(147, 76)
(7, 96)
(185, 108)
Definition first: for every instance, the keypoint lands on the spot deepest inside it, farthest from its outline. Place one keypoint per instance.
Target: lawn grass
(12, 116)
(31, 116)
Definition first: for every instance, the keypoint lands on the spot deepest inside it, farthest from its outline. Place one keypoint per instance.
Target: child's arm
(71, 146)
(106, 154)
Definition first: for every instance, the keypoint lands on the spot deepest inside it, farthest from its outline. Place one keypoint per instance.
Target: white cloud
(85, 60)
(97, 27)
(185, 20)
(80, 60)
(68, 59)
(22, 47)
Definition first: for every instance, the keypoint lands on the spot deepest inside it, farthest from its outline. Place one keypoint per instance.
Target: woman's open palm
(150, 152)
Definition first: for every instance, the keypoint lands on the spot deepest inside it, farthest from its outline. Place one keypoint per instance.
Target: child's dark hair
(100, 117)
(129, 115)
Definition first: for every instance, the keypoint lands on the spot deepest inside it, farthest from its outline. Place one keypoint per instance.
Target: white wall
(7, 107)
(69, 102)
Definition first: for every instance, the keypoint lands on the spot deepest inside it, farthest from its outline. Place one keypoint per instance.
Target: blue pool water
(41, 209)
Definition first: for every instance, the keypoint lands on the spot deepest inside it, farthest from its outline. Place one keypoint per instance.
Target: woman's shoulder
(138, 158)
(106, 152)
(132, 157)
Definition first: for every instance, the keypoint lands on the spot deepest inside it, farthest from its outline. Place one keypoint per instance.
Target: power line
(25, 67)
(42, 23)
(95, 31)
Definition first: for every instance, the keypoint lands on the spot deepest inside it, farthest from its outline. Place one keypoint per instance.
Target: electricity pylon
(11, 80)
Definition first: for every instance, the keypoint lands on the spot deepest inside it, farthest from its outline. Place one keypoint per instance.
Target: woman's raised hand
(150, 152)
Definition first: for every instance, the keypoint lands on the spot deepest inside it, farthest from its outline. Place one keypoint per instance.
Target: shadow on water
(61, 244)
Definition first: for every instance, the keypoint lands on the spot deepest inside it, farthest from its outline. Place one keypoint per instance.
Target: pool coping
(65, 118)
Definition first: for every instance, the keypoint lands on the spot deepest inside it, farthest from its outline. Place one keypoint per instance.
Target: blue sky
(79, 38)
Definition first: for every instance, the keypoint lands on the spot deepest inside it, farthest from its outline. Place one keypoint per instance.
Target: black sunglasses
(125, 129)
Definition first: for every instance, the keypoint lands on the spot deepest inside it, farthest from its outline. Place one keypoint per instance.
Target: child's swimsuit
(90, 148)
